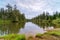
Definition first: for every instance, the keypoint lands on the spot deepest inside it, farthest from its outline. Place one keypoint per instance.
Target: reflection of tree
(11, 28)
(46, 24)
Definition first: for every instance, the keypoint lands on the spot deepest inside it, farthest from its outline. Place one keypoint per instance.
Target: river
(27, 28)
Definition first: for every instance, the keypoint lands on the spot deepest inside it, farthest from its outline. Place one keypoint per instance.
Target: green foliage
(20, 37)
(56, 21)
(12, 14)
(47, 20)
(4, 21)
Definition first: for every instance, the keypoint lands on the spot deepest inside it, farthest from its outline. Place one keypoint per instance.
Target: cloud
(32, 5)
(32, 8)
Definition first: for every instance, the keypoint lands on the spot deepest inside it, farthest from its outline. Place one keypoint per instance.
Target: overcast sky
(32, 8)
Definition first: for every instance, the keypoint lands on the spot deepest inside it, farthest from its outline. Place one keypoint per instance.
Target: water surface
(27, 28)
(31, 29)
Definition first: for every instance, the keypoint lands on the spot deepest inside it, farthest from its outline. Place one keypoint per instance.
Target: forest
(11, 14)
(46, 19)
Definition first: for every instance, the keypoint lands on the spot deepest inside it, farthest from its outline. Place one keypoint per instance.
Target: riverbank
(50, 35)
(13, 37)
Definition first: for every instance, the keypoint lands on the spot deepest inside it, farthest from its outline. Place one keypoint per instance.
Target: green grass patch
(55, 33)
(14, 37)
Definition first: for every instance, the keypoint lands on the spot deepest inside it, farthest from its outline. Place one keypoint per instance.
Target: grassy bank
(13, 37)
(50, 35)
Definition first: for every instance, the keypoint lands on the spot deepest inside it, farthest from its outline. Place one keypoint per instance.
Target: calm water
(31, 29)
(27, 28)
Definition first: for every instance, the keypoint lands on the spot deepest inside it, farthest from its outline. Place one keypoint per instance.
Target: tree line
(11, 13)
(45, 18)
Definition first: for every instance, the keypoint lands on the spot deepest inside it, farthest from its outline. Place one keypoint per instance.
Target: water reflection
(10, 28)
(31, 29)
(44, 24)
(22, 28)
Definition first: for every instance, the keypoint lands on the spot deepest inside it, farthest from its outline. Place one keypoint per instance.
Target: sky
(33, 8)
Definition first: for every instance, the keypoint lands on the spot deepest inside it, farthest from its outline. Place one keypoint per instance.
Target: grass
(53, 33)
(14, 37)
(56, 33)
(39, 35)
